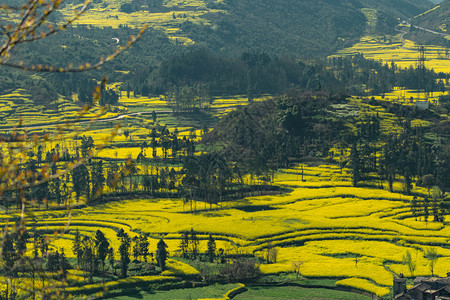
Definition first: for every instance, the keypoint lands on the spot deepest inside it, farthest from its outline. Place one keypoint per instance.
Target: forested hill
(398, 8)
(301, 28)
(436, 19)
(296, 29)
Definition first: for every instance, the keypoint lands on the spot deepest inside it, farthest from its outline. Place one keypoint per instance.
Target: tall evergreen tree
(89, 261)
(98, 179)
(102, 245)
(161, 254)
(356, 164)
(124, 250)
(76, 246)
(143, 246)
(111, 259)
(136, 248)
(194, 244)
(211, 248)
(80, 180)
(184, 244)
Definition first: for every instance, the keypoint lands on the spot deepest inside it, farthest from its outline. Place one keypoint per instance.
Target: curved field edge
(356, 234)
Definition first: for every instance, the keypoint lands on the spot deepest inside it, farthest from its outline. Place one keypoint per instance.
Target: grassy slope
(272, 293)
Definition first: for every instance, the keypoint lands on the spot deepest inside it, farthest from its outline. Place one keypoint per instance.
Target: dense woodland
(192, 78)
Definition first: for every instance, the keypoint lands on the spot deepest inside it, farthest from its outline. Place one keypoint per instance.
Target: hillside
(436, 23)
(435, 19)
(224, 157)
(301, 28)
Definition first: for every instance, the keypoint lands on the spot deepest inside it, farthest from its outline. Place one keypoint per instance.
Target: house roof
(422, 287)
(419, 279)
(445, 291)
(404, 296)
(445, 280)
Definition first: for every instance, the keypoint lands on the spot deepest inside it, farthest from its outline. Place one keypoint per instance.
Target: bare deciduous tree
(25, 23)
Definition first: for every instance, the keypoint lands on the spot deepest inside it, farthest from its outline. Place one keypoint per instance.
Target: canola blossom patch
(357, 234)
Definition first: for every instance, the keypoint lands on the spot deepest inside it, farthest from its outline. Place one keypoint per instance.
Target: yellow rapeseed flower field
(338, 231)
(373, 47)
(357, 234)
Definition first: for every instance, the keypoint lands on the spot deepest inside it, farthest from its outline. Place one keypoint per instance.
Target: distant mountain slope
(437, 20)
(294, 27)
(399, 8)
(301, 27)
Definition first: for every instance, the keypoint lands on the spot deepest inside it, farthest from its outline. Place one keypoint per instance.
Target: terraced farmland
(358, 235)
(167, 16)
(355, 236)
(405, 56)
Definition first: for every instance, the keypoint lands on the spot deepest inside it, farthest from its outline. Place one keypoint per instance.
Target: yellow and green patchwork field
(373, 47)
(167, 17)
(358, 235)
(407, 97)
(17, 107)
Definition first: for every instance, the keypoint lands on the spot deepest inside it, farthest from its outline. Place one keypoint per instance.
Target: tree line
(193, 78)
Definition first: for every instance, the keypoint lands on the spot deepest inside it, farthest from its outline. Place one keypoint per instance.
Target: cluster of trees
(188, 98)
(201, 73)
(137, 5)
(15, 261)
(226, 268)
(206, 178)
(189, 247)
(191, 79)
(95, 176)
(265, 136)
(80, 180)
(360, 75)
(92, 253)
(408, 154)
(426, 208)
